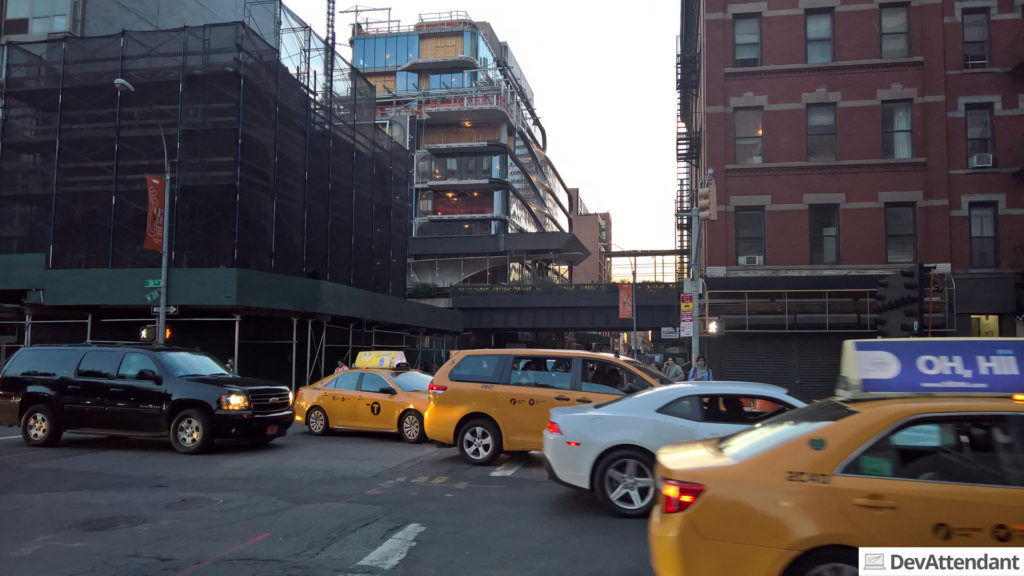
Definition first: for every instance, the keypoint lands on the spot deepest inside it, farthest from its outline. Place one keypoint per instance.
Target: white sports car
(609, 448)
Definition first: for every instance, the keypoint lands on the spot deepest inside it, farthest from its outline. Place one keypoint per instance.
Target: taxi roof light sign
(380, 359)
(977, 366)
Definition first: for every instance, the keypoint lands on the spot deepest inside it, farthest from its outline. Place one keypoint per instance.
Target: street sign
(686, 315)
(171, 310)
(150, 296)
(154, 283)
(669, 333)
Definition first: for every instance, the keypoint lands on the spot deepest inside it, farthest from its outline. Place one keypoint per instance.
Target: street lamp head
(123, 85)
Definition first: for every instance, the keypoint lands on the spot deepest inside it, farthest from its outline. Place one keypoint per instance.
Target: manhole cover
(108, 524)
(192, 503)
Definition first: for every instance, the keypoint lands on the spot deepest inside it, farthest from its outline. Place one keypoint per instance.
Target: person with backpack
(700, 372)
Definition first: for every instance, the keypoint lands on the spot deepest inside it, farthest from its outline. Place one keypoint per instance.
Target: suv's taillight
(436, 388)
(679, 495)
(553, 428)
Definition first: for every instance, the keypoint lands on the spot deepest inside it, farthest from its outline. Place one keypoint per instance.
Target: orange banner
(155, 186)
(625, 300)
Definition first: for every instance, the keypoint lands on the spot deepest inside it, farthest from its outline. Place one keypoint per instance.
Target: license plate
(271, 430)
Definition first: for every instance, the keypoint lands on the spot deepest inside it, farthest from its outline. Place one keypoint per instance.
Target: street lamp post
(634, 345)
(123, 87)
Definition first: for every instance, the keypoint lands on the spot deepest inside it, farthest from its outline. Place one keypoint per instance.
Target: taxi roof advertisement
(940, 365)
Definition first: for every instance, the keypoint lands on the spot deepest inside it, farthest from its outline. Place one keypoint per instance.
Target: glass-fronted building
(490, 207)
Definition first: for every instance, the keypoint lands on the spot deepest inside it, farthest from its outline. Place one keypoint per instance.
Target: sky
(603, 78)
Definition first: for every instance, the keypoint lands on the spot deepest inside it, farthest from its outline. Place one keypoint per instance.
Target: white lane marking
(508, 468)
(9, 437)
(390, 553)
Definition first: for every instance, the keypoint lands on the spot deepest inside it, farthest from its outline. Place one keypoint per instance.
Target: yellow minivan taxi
(890, 463)
(491, 401)
(379, 394)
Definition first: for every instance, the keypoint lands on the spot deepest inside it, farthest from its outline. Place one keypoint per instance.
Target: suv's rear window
(42, 362)
(476, 368)
(780, 429)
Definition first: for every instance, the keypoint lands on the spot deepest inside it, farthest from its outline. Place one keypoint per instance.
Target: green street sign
(150, 296)
(154, 283)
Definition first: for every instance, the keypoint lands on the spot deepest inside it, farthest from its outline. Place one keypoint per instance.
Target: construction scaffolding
(277, 163)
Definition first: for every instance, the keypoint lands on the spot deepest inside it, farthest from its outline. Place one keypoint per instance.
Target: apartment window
(821, 132)
(824, 225)
(900, 233)
(819, 36)
(897, 130)
(750, 235)
(35, 17)
(979, 136)
(984, 244)
(746, 30)
(895, 26)
(975, 39)
(749, 134)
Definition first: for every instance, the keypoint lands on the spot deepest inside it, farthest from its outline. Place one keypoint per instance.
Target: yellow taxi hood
(690, 455)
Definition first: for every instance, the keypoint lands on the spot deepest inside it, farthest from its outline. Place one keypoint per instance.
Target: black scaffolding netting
(272, 167)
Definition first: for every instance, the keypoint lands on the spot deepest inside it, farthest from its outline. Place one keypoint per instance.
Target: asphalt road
(346, 504)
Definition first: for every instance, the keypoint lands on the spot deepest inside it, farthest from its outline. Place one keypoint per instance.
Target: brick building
(847, 139)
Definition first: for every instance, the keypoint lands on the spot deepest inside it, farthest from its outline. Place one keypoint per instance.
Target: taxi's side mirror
(387, 390)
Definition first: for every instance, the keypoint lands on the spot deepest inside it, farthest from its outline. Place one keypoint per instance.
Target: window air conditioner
(980, 161)
(751, 260)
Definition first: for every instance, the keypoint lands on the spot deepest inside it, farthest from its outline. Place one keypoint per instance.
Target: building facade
(287, 204)
(846, 140)
(490, 207)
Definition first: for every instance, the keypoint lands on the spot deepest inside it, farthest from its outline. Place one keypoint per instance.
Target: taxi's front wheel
(826, 562)
(480, 442)
(411, 427)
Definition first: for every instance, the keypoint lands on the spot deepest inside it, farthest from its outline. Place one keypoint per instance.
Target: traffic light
(148, 333)
(900, 302)
(707, 202)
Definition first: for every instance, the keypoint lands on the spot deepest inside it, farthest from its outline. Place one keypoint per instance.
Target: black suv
(136, 391)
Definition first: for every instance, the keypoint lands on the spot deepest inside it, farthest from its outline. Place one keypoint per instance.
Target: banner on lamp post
(155, 190)
(625, 300)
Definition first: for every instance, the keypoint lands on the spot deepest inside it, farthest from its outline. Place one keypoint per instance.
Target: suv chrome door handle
(562, 398)
(116, 389)
(583, 400)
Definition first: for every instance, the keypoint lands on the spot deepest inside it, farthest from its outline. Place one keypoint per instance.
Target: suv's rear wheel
(191, 432)
(39, 426)
(624, 482)
(411, 427)
(480, 442)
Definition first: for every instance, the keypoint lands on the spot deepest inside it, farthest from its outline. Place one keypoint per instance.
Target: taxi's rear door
(938, 480)
(533, 385)
(338, 398)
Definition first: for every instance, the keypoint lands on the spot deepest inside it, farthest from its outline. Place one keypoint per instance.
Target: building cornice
(838, 167)
(843, 67)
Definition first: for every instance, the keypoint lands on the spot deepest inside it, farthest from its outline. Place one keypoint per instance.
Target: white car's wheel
(624, 482)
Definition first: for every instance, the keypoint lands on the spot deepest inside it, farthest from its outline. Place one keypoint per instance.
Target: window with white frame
(897, 129)
(821, 132)
(820, 37)
(746, 29)
(976, 46)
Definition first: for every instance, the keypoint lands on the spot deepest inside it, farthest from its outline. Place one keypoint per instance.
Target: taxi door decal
(375, 408)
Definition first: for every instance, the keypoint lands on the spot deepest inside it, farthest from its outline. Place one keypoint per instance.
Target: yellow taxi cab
(378, 393)
(888, 462)
(490, 401)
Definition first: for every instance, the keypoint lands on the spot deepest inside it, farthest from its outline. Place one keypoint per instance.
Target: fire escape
(687, 150)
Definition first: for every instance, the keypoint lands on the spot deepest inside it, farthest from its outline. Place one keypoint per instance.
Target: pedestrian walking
(672, 371)
(341, 367)
(230, 365)
(700, 370)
